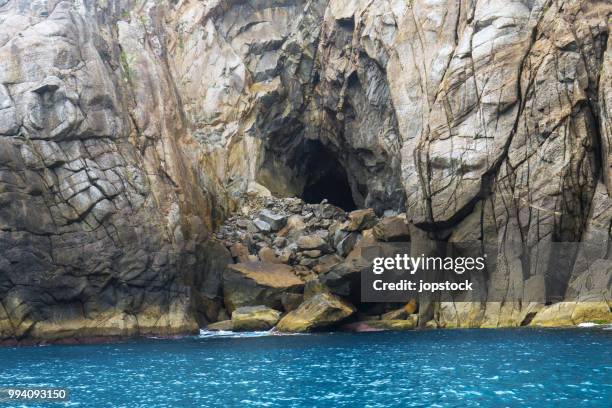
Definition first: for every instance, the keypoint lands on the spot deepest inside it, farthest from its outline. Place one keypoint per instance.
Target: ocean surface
(444, 368)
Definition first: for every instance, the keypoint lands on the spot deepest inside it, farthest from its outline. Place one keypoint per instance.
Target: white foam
(206, 334)
(231, 334)
(604, 326)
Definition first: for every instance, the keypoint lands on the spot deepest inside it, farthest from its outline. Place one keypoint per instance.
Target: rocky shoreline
(130, 133)
(296, 268)
(224, 330)
(288, 266)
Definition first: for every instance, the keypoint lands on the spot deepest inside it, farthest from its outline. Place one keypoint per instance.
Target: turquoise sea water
(452, 368)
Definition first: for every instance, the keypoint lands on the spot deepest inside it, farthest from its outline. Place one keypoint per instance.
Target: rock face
(484, 120)
(130, 130)
(100, 223)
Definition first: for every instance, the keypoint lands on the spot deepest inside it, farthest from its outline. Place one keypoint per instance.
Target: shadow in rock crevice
(307, 169)
(325, 178)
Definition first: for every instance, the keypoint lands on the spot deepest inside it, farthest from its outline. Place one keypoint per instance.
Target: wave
(205, 334)
(604, 326)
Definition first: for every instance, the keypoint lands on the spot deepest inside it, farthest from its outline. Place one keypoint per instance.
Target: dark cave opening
(326, 178)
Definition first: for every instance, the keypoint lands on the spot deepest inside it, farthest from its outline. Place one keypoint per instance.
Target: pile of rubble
(289, 231)
(297, 265)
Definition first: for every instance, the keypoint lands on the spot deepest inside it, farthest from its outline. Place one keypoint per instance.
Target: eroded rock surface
(318, 312)
(99, 219)
(254, 318)
(258, 283)
(490, 120)
(130, 130)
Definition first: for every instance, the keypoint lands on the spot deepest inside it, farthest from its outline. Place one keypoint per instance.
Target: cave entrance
(325, 177)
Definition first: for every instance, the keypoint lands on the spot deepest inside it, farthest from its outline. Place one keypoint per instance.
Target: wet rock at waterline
(254, 318)
(380, 325)
(223, 325)
(320, 311)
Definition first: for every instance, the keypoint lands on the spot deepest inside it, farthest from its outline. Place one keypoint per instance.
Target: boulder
(325, 263)
(315, 253)
(224, 325)
(308, 262)
(257, 190)
(244, 224)
(320, 311)
(294, 204)
(312, 242)
(361, 219)
(556, 315)
(573, 313)
(240, 252)
(286, 255)
(592, 312)
(328, 211)
(392, 229)
(280, 242)
(295, 226)
(258, 283)
(267, 254)
(345, 242)
(274, 220)
(344, 279)
(262, 225)
(254, 318)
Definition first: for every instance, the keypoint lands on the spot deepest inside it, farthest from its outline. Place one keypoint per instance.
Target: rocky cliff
(129, 130)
